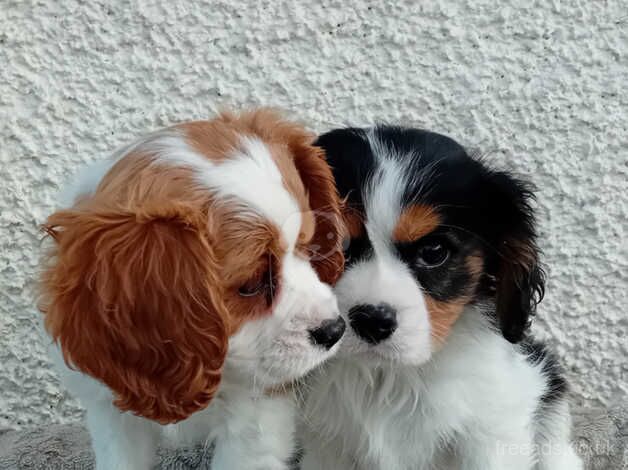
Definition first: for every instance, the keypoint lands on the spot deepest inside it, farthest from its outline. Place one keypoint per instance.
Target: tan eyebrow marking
(415, 222)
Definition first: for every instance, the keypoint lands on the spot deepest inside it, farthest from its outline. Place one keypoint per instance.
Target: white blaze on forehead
(252, 176)
(248, 175)
(382, 197)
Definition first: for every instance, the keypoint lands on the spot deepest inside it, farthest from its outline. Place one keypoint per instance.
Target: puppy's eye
(253, 287)
(433, 253)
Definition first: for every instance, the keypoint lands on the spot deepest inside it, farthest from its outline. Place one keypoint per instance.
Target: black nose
(328, 333)
(373, 323)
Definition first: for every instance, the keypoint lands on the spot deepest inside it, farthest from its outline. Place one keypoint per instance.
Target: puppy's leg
(564, 459)
(324, 456)
(235, 453)
(318, 460)
(261, 436)
(121, 441)
(554, 449)
(510, 450)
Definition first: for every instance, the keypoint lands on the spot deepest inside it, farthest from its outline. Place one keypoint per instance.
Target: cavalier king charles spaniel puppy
(436, 370)
(188, 281)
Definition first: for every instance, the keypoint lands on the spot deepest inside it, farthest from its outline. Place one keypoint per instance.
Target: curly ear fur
(130, 297)
(519, 290)
(519, 278)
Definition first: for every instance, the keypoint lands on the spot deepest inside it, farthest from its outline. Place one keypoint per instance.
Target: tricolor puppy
(187, 278)
(436, 370)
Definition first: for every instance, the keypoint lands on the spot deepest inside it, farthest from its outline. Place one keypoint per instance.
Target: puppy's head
(430, 231)
(198, 253)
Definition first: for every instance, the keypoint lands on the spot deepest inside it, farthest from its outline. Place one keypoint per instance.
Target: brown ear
(130, 298)
(327, 258)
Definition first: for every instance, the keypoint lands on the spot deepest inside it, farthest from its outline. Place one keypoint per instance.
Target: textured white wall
(541, 88)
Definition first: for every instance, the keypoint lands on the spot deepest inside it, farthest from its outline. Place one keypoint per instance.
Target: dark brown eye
(253, 287)
(433, 253)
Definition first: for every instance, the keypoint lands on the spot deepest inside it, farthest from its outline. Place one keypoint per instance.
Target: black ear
(519, 280)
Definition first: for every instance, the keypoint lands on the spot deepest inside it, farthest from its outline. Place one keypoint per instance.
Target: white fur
(247, 428)
(472, 407)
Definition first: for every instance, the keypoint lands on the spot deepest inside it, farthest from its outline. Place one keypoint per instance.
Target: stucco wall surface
(541, 88)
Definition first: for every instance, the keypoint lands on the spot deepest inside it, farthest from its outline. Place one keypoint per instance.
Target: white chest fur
(472, 406)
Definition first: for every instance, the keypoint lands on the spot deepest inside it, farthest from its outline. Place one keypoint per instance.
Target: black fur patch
(358, 249)
(350, 156)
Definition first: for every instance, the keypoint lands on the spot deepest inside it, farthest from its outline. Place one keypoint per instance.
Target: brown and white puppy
(188, 276)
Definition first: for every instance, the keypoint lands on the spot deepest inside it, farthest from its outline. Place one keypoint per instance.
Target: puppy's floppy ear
(519, 278)
(130, 296)
(325, 204)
